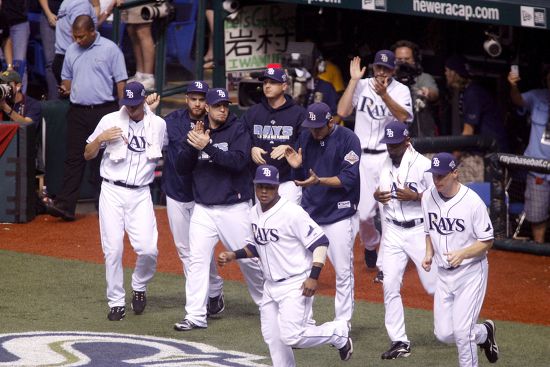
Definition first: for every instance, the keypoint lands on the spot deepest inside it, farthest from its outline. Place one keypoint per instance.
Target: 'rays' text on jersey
(137, 143)
(375, 111)
(264, 235)
(445, 226)
(269, 132)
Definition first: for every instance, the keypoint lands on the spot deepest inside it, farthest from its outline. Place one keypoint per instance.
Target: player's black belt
(372, 151)
(453, 268)
(92, 106)
(122, 184)
(409, 224)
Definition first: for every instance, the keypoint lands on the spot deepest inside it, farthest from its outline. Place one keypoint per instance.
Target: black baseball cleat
(116, 313)
(346, 351)
(215, 305)
(53, 209)
(490, 345)
(187, 325)
(397, 350)
(139, 300)
(370, 258)
(379, 278)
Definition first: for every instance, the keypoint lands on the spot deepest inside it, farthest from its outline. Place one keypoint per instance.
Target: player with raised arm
(292, 250)
(377, 101)
(458, 235)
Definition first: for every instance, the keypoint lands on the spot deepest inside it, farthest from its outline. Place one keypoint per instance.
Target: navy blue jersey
(270, 127)
(176, 186)
(337, 155)
(220, 171)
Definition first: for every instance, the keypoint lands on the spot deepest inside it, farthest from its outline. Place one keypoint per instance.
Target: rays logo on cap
(312, 116)
(221, 93)
(271, 71)
(129, 93)
(198, 85)
(266, 172)
(384, 57)
(389, 133)
(435, 162)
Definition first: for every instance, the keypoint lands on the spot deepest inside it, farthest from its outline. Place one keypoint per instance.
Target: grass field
(44, 294)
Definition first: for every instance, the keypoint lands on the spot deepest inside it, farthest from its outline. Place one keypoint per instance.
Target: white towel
(154, 134)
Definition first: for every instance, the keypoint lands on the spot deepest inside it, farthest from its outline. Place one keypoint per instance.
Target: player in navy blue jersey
(327, 161)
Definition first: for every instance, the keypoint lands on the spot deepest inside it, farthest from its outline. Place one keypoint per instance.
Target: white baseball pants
(210, 224)
(179, 217)
(400, 245)
(341, 236)
(284, 318)
(131, 210)
(458, 298)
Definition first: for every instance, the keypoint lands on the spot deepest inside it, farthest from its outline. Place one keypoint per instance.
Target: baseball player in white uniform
(458, 235)
(133, 138)
(377, 101)
(292, 249)
(403, 180)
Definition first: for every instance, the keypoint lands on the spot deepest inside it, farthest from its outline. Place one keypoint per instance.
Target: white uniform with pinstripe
(371, 117)
(284, 237)
(127, 209)
(453, 224)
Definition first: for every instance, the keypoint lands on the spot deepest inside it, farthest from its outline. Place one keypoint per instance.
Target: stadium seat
(180, 36)
(483, 189)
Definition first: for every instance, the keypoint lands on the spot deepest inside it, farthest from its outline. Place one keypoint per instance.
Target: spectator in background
(477, 109)
(69, 10)
(537, 190)
(209, 56)
(331, 73)
(319, 90)
(19, 107)
(424, 90)
(15, 14)
(5, 42)
(91, 95)
(139, 31)
(48, 20)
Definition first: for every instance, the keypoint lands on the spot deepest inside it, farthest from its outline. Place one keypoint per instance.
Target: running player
(328, 159)
(403, 180)
(133, 138)
(377, 101)
(292, 249)
(458, 235)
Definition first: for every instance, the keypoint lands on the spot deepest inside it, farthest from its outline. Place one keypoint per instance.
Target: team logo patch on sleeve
(351, 157)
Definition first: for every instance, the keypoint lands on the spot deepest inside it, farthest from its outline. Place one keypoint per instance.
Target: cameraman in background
(14, 105)
(424, 91)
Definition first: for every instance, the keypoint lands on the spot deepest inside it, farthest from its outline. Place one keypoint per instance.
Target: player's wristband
(315, 272)
(240, 254)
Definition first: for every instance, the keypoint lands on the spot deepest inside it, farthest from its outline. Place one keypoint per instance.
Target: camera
(6, 92)
(406, 73)
(161, 9)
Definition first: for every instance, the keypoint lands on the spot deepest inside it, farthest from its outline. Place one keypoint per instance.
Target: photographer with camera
(422, 85)
(14, 105)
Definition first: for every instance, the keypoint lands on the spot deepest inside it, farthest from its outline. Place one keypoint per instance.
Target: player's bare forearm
(293, 158)
(333, 181)
(395, 108)
(120, 89)
(345, 104)
(478, 248)
(92, 149)
(427, 261)
(407, 194)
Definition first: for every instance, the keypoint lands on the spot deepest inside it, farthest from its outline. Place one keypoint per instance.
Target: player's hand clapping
(312, 180)
(198, 138)
(279, 152)
(293, 158)
(256, 153)
(153, 101)
(309, 287)
(382, 196)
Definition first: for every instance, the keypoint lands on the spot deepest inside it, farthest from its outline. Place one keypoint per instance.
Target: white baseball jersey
(282, 236)
(371, 113)
(136, 169)
(411, 173)
(455, 223)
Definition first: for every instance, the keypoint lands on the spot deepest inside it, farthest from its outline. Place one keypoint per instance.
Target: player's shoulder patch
(351, 157)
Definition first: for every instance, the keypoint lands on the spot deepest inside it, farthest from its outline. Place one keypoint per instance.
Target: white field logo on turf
(109, 349)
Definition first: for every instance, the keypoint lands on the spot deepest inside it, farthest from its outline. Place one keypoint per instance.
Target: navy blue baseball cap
(276, 74)
(395, 132)
(385, 58)
(443, 163)
(459, 65)
(217, 95)
(317, 115)
(266, 174)
(134, 94)
(197, 86)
